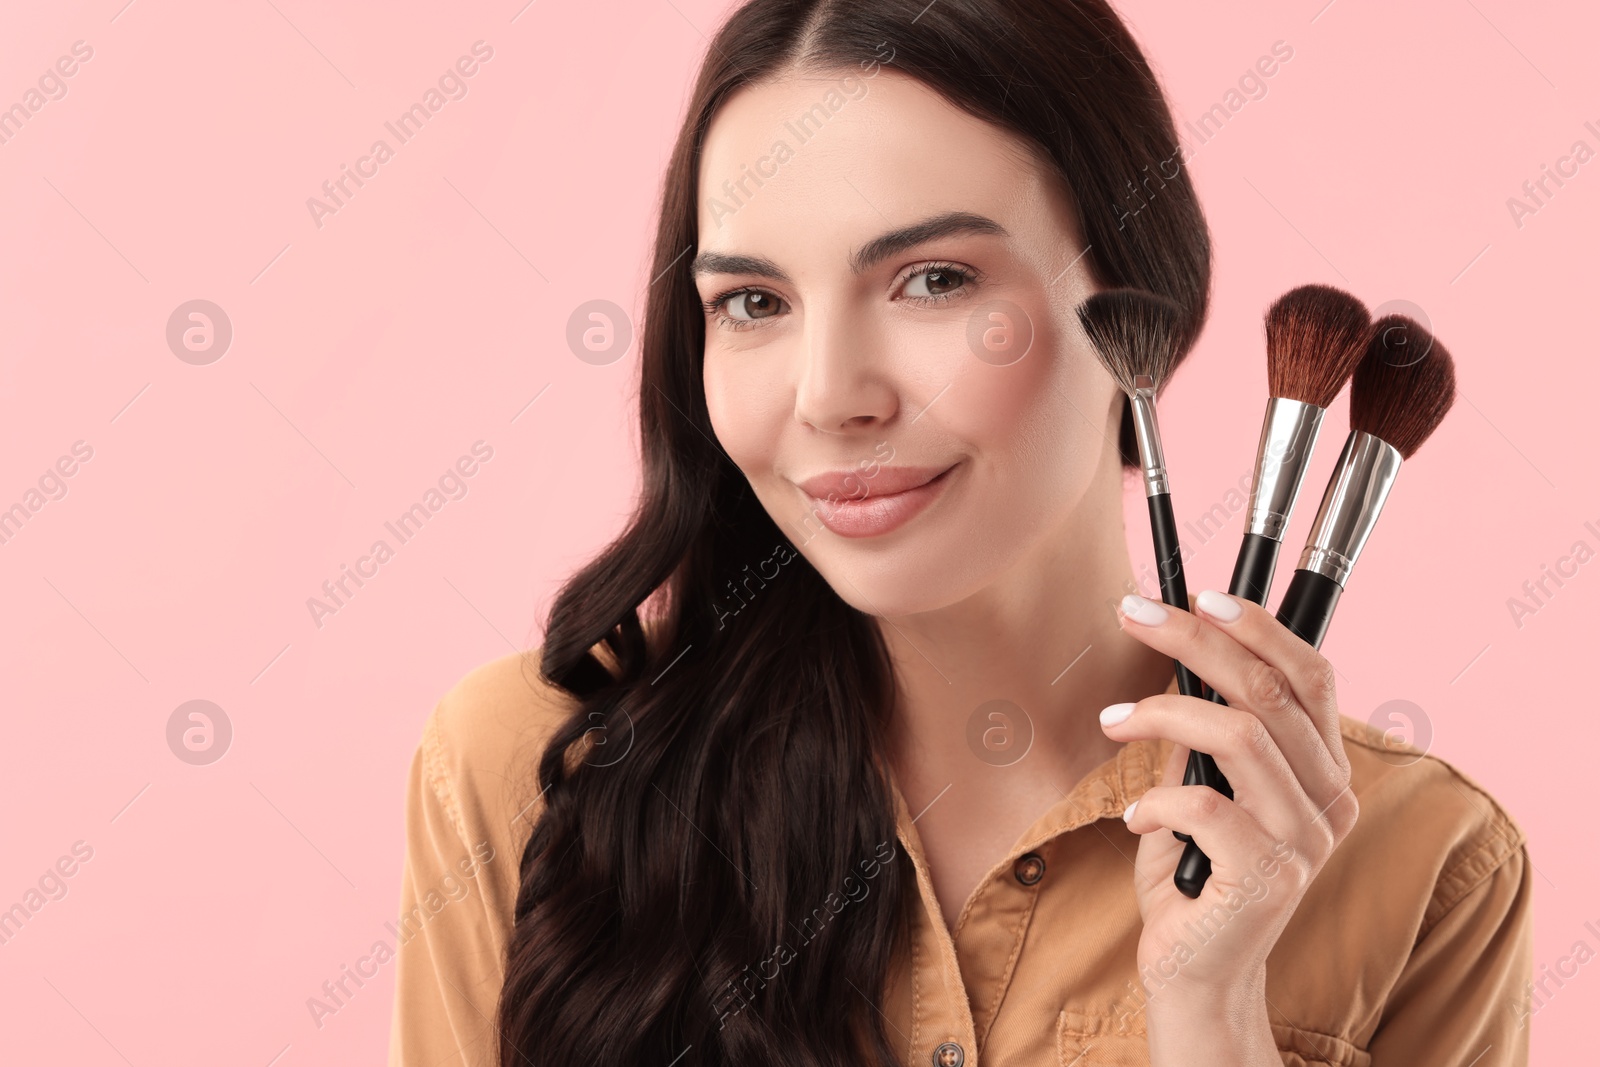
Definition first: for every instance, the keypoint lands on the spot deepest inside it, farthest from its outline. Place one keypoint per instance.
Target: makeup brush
(1400, 393)
(1139, 336)
(1315, 336)
(1402, 390)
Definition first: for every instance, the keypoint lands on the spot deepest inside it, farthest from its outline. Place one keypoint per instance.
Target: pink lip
(852, 504)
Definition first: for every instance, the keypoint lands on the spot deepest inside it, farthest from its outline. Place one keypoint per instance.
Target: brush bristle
(1134, 332)
(1403, 386)
(1316, 335)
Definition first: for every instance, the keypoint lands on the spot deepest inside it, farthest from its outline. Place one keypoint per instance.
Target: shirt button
(949, 1054)
(1029, 868)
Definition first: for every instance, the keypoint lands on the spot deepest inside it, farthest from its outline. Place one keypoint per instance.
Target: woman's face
(893, 284)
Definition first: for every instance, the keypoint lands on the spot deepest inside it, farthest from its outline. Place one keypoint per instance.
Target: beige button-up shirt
(1413, 946)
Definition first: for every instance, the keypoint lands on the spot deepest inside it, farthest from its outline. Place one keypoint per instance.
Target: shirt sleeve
(1461, 997)
(448, 965)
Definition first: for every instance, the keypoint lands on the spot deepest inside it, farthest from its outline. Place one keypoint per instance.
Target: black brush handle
(1306, 610)
(1307, 606)
(1252, 571)
(1252, 580)
(1175, 591)
(1194, 869)
(1169, 565)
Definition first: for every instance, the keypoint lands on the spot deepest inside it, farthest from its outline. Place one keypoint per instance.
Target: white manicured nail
(1219, 606)
(1140, 610)
(1129, 813)
(1115, 714)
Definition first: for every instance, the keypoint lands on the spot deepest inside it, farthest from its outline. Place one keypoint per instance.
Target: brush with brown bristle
(1401, 392)
(1316, 335)
(1139, 336)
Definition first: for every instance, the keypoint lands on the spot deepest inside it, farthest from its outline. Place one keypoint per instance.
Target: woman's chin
(913, 582)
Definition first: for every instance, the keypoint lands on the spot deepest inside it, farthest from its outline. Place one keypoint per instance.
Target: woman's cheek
(993, 406)
(744, 413)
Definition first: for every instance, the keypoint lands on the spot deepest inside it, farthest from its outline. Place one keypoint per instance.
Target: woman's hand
(1203, 961)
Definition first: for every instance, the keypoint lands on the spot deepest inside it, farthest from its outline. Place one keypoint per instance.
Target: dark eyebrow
(869, 255)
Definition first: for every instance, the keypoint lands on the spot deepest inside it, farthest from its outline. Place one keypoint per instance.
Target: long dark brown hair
(721, 786)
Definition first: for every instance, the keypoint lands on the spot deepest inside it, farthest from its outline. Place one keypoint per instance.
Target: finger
(1309, 675)
(1176, 770)
(1235, 842)
(1177, 764)
(1261, 777)
(1307, 672)
(1248, 681)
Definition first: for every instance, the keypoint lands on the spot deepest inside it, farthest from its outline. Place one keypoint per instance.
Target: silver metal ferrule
(1360, 484)
(1143, 402)
(1288, 437)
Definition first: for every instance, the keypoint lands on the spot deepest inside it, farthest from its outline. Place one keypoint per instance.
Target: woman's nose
(842, 382)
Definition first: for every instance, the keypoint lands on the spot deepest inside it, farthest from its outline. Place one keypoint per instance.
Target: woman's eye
(749, 305)
(936, 282)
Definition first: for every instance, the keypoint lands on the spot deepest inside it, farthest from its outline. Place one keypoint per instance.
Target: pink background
(372, 352)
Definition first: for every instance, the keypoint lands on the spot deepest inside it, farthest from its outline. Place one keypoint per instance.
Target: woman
(812, 766)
